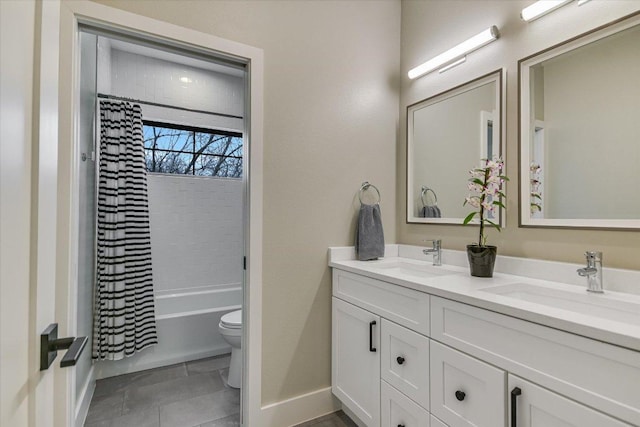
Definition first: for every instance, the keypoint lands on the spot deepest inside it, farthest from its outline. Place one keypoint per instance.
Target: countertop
(456, 284)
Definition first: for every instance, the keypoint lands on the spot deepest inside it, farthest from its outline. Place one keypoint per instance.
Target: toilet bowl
(230, 327)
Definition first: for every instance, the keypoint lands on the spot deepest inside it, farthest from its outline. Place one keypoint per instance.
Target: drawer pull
(514, 405)
(460, 395)
(400, 360)
(371, 347)
(400, 425)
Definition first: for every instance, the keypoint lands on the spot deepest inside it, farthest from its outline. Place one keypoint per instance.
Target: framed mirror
(448, 135)
(580, 131)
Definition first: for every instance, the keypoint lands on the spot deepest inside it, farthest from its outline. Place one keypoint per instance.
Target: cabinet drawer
(537, 407)
(404, 306)
(465, 391)
(398, 410)
(600, 375)
(405, 361)
(436, 422)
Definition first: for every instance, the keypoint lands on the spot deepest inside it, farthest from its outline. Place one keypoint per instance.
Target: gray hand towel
(369, 234)
(430, 212)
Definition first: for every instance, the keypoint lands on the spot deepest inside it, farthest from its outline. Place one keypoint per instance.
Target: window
(192, 151)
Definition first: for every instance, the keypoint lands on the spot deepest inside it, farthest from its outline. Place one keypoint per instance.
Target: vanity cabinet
(405, 358)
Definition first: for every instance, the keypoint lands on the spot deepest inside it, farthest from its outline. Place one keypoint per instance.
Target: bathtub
(187, 324)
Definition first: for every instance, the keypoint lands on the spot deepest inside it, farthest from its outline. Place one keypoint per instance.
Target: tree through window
(192, 151)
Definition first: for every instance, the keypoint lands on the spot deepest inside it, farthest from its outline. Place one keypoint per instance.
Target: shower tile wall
(156, 80)
(196, 231)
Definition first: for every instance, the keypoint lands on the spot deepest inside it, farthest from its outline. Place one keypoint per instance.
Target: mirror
(447, 135)
(580, 131)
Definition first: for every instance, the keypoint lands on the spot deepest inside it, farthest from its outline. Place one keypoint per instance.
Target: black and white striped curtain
(124, 315)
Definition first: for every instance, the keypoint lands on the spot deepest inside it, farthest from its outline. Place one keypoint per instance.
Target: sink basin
(603, 306)
(411, 269)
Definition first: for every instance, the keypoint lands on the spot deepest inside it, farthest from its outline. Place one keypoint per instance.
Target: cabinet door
(465, 392)
(535, 406)
(399, 411)
(404, 361)
(355, 369)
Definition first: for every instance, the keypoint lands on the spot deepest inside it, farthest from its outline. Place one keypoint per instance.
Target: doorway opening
(195, 145)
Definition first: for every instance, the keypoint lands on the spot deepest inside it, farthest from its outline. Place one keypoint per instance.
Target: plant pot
(481, 260)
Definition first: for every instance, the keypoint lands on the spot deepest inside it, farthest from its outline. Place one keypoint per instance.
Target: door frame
(75, 13)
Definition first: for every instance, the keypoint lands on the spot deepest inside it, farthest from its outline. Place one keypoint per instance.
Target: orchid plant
(485, 185)
(536, 195)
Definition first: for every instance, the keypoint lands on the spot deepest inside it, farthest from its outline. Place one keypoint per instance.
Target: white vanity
(415, 345)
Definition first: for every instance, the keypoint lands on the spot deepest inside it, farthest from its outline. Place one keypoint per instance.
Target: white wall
(587, 99)
(196, 231)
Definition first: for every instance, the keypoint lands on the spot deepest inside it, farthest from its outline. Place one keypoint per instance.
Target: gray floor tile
(154, 395)
(337, 419)
(231, 421)
(200, 409)
(151, 376)
(147, 418)
(103, 423)
(208, 365)
(105, 407)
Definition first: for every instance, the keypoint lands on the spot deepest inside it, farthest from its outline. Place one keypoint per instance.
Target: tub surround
(456, 284)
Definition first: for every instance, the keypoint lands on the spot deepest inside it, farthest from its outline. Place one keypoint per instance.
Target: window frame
(193, 130)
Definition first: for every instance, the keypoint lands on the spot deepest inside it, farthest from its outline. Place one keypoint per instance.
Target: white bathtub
(187, 324)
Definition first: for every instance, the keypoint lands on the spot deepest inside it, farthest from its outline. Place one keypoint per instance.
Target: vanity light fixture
(453, 64)
(541, 8)
(456, 53)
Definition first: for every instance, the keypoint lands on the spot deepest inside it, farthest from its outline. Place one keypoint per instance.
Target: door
(28, 221)
(535, 406)
(355, 368)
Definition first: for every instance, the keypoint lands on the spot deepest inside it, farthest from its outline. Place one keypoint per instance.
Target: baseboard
(299, 409)
(82, 405)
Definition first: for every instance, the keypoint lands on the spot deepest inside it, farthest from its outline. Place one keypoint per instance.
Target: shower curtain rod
(155, 104)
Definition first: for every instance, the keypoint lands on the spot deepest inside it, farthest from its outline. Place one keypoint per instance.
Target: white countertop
(458, 285)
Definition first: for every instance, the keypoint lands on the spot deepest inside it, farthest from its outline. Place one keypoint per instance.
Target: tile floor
(191, 394)
(188, 394)
(337, 419)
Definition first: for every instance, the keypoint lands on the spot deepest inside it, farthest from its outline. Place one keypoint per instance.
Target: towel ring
(424, 192)
(364, 187)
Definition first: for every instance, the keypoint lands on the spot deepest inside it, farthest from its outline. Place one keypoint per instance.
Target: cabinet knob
(460, 395)
(400, 425)
(400, 360)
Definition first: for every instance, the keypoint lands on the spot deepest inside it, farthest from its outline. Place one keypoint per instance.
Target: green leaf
(536, 196)
(477, 181)
(499, 204)
(503, 177)
(494, 224)
(469, 218)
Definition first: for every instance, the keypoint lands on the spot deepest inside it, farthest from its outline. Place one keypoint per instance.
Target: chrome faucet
(436, 251)
(593, 272)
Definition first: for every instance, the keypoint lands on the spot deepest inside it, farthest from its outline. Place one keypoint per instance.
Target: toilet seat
(232, 320)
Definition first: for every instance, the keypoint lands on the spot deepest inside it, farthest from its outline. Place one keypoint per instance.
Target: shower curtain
(124, 315)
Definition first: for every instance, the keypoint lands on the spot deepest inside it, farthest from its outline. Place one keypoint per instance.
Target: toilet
(230, 327)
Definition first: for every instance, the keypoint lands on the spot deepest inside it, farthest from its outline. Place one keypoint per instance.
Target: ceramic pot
(481, 260)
